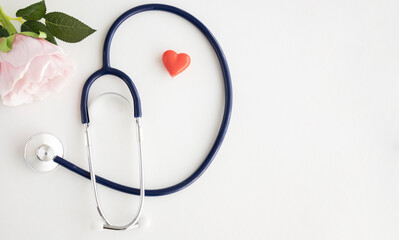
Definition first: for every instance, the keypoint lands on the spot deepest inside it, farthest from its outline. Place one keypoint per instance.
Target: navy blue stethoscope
(43, 157)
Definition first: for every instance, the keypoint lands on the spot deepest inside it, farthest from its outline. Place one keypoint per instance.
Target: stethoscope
(44, 152)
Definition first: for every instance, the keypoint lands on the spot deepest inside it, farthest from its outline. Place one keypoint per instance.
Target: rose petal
(32, 71)
(25, 48)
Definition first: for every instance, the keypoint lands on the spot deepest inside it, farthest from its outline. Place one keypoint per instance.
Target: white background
(312, 151)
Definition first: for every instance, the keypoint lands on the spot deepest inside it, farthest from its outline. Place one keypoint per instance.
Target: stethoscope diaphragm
(40, 151)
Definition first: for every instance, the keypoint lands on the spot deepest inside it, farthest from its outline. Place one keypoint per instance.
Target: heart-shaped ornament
(175, 63)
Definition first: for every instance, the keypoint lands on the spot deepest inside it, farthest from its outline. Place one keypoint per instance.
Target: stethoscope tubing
(106, 70)
(84, 109)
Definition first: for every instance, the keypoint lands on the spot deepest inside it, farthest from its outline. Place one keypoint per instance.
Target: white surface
(313, 147)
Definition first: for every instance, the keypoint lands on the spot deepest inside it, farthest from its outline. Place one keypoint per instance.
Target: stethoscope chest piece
(40, 151)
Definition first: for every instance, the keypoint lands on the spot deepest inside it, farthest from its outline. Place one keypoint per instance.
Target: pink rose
(32, 70)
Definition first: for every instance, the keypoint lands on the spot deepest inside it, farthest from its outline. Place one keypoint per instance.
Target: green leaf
(6, 23)
(42, 35)
(3, 32)
(6, 43)
(3, 45)
(35, 11)
(10, 40)
(67, 28)
(36, 27)
(35, 35)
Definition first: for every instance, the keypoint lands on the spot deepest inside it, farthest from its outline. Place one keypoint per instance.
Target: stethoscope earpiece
(143, 223)
(98, 226)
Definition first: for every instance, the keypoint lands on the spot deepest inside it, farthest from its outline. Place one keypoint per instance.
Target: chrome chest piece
(40, 151)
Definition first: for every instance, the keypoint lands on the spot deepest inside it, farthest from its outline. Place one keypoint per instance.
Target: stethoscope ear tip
(144, 222)
(98, 226)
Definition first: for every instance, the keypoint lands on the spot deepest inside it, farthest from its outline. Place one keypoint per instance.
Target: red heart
(175, 63)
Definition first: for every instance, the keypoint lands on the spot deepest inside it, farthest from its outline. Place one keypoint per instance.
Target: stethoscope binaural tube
(106, 70)
(137, 108)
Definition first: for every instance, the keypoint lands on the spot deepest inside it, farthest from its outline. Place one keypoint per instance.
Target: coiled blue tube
(105, 70)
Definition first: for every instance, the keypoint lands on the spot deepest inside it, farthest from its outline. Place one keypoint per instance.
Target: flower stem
(19, 19)
(6, 23)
